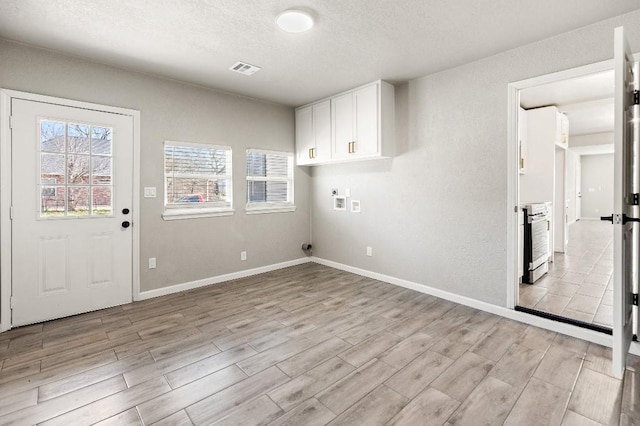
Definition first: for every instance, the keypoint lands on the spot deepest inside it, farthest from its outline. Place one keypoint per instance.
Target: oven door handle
(532, 219)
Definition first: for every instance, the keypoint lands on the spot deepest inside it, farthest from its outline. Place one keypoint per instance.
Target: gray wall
(597, 185)
(186, 250)
(436, 213)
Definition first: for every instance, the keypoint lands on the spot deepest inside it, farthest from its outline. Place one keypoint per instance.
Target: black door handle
(125, 224)
(625, 218)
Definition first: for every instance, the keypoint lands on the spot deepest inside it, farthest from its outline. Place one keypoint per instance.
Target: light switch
(347, 192)
(149, 192)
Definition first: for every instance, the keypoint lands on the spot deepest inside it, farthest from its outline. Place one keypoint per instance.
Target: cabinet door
(305, 140)
(366, 123)
(322, 130)
(522, 140)
(343, 135)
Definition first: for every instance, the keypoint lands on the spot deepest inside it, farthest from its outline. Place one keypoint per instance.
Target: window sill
(179, 214)
(270, 209)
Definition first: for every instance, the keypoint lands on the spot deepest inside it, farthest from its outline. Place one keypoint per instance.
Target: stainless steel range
(537, 224)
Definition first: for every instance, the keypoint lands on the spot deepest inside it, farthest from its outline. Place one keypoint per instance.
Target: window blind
(197, 176)
(269, 178)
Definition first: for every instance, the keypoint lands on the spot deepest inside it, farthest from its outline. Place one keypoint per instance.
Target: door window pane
(52, 136)
(76, 170)
(101, 140)
(78, 201)
(101, 171)
(78, 138)
(101, 204)
(52, 168)
(52, 201)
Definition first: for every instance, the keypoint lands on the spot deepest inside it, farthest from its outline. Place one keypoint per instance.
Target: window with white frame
(197, 180)
(269, 181)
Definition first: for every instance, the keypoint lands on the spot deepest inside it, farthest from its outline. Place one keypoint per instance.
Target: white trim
(273, 208)
(6, 95)
(570, 330)
(149, 294)
(5, 204)
(194, 213)
(513, 183)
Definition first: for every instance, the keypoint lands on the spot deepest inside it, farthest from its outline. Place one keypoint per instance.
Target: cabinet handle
(353, 147)
(313, 152)
(349, 148)
(310, 152)
(522, 163)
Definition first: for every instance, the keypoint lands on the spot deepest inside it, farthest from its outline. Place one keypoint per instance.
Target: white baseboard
(559, 327)
(149, 294)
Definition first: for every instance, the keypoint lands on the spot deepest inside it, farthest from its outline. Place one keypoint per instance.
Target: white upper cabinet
(313, 133)
(562, 130)
(360, 126)
(305, 139)
(522, 140)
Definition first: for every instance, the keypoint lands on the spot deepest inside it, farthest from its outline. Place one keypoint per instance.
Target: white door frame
(513, 180)
(513, 177)
(5, 189)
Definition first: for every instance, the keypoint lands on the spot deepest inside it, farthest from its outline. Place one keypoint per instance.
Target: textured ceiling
(354, 41)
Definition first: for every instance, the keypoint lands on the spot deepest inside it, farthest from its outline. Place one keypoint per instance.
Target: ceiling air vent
(244, 68)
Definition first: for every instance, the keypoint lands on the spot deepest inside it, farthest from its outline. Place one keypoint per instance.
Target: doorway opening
(565, 184)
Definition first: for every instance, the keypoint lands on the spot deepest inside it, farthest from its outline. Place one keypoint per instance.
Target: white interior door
(625, 183)
(72, 176)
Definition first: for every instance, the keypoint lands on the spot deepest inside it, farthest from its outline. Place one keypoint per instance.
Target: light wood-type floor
(307, 345)
(579, 284)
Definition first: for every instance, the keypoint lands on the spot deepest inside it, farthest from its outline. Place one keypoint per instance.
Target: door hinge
(11, 121)
(11, 213)
(636, 97)
(634, 299)
(11, 302)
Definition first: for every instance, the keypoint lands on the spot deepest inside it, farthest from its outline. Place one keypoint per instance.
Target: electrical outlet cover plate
(355, 206)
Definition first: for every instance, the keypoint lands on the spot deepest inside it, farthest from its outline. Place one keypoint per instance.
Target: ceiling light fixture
(294, 21)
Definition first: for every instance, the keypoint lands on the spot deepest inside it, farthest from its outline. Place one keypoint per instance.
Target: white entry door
(72, 176)
(625, 236)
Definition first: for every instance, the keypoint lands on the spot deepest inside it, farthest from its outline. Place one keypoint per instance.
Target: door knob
(125, 224)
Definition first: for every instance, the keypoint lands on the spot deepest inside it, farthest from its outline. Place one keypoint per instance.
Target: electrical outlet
(369, 251)
(243, 255)
(152, 263)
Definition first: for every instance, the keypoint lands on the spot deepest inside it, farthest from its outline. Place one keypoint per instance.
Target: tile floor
(579, 284)
(307, 345)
